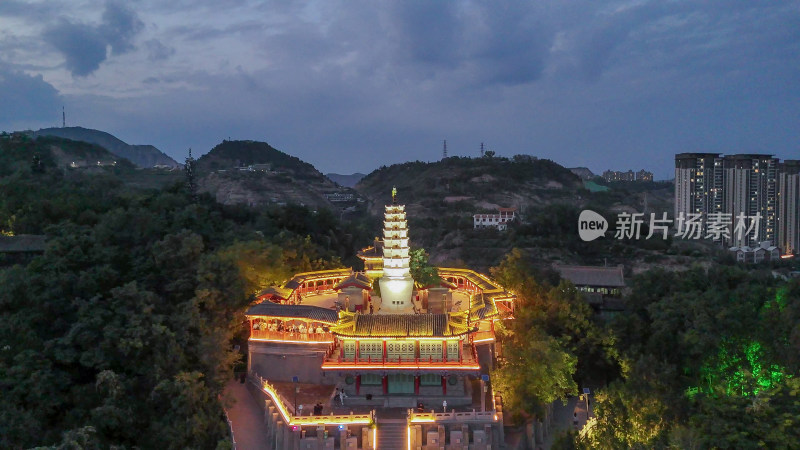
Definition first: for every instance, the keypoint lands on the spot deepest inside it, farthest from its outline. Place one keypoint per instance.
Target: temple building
(384, 344)
(396, 283)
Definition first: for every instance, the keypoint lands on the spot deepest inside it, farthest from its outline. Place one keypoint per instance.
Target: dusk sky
(351, 85)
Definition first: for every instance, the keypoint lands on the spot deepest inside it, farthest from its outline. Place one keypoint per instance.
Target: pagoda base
(396, 294)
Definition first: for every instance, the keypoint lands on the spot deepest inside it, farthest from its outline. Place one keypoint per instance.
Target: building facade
(756, 187)
(788, 221)
(751, 189)
(698, 184)
(380, 342)
(498, 221)
(628, 175)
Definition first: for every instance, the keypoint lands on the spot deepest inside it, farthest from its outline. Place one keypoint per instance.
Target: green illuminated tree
(423, 273)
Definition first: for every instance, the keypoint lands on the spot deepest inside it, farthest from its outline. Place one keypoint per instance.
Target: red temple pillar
(444, 385)
(384, 351)
(356, 357)
(444, 350)
(385, 383)
(358, 384)
(416, 384)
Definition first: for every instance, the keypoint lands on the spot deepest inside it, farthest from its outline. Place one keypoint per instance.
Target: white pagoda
(396, 285)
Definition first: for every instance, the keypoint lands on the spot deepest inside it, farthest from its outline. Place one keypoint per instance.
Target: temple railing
(286, 336)
(335, 359)
(452, 416)
(482, 336)
(287, 412)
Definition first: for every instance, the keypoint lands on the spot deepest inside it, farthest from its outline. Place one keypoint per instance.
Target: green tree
(535, 370)
(423, 273)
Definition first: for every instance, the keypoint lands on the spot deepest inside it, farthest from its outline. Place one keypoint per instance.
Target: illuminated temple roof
(401, 325)
(275, 292)
(482, 307)
(299, 278)
(357, 279)
(274, 310)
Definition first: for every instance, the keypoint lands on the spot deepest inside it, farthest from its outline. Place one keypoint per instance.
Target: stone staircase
(392, 434)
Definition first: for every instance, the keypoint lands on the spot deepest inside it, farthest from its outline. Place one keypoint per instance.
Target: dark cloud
(515, 43)
(428, 32)
(156, 51)
(120, 25)
(612, 84)
(85, 46)
(504, 43)
(26, 97)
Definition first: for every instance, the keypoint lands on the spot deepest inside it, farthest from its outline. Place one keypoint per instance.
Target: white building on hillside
(765, 251)
(499, 221)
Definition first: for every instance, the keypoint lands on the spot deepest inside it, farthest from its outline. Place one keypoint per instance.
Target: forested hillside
(701, 358)
(140, 155)
(442, 197)
(121, 334)
(256, 174)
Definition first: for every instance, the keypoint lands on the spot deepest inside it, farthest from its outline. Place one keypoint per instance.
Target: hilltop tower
(396, 284)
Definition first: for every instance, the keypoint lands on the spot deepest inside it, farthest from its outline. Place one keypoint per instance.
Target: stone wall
(278, 361)
(457, 431)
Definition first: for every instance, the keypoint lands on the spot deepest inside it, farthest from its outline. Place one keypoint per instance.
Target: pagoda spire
(396, 284)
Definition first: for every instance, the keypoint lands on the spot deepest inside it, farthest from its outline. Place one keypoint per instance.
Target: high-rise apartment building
(743, 184)
(788, 222)
(698, 184)
(751, 189)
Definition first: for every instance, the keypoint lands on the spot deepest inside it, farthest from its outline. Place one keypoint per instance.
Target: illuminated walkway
(247, 418)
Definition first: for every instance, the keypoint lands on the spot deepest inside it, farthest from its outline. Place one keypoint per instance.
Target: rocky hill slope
(254, 173)
(474, 184)
(140, 155)
(442, 197)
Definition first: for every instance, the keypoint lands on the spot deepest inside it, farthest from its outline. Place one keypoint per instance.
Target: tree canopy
(711, 359)
(122, 333)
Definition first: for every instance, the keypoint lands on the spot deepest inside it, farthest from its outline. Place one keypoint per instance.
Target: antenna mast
(444, 150)
(63, 118)
(481, 149)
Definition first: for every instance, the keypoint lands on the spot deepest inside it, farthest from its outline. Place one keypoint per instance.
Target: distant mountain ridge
(255, 173)
(55, 152)
(484, 183)
(140, 155)
(346, 180)
(232, 154)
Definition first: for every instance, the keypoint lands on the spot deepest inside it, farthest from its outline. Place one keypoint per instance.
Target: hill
(242, 154)
(474, 184)
(255, 173)
(441, 198)
(17, 152)
(346, 180)
(140, 155)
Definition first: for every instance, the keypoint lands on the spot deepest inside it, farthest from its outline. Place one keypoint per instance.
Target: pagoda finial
(394, 194)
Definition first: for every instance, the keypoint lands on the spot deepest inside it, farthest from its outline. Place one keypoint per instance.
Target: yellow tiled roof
(401, 325)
